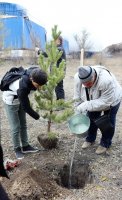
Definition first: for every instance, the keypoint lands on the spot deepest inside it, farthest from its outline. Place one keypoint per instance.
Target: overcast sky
(101, 18)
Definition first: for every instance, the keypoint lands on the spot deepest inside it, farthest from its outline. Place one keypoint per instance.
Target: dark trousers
(106, 138)
(59, 90)
(3, 194)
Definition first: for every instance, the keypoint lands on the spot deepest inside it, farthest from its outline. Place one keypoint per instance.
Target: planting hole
(80, 175)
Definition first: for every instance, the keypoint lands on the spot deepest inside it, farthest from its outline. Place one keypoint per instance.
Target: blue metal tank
(12, 9)
(20, 32)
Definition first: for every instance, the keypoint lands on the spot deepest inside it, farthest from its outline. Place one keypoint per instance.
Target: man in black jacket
(17, 104)
(60, 94)
(59, 90)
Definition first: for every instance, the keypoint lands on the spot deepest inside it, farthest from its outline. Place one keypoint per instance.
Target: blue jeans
(17, 120)
(106, 139)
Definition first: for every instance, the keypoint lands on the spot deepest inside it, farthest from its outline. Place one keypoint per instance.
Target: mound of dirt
(33, 184)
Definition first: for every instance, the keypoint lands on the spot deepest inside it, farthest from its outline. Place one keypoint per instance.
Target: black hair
(39, 76)
(61, 39)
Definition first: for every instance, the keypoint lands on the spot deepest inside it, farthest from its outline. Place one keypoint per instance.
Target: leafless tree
(83, 40)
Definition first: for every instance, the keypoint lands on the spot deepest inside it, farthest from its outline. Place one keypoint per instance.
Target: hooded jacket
(105, 92)
(18, 94)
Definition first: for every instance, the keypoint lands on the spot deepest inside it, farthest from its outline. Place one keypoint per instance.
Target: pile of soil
(34, 184)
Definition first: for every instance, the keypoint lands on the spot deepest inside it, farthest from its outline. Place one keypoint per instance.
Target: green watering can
(79, 125)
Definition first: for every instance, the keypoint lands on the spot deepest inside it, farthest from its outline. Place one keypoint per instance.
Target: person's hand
(42, 119)
(76, 103)
(76, 111)
(82, 108)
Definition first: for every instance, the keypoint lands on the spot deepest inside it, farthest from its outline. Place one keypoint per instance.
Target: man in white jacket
(103, 95)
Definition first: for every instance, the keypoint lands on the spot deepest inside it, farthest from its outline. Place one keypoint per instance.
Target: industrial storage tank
(20, 32)
(12, 9)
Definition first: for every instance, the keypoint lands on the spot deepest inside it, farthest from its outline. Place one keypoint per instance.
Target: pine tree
(45, 97)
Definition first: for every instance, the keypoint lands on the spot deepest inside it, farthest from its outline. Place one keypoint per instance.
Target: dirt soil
(39, 175)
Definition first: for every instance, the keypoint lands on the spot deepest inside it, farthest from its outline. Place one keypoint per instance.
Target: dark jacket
(63, 56)
(3, 172)
(25, 87)
(3, 194)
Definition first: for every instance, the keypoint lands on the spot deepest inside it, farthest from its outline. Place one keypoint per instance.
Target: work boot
(86, 144)
(101, 150)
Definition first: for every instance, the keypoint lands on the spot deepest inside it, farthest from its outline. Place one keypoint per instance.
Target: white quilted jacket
(105, 92)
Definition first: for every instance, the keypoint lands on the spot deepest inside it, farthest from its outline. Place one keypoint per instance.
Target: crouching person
(17, 104)
(97, 91)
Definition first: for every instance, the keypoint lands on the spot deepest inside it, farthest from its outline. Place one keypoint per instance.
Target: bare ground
(36, 177)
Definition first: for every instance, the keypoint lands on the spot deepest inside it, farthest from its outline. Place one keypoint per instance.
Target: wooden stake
(82, 57)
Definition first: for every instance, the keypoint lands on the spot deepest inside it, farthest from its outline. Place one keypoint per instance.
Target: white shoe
(86, 145)
(101, 150)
